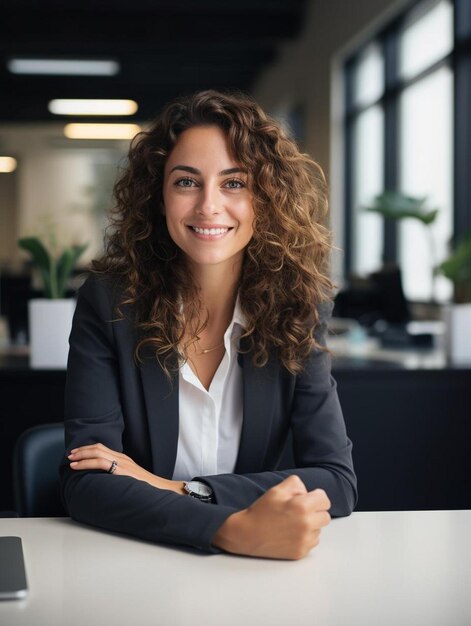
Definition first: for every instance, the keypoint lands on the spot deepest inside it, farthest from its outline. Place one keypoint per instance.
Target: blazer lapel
(258, 407)
(161, 401)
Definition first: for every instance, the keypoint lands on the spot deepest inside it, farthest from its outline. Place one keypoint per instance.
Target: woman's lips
(210, 233)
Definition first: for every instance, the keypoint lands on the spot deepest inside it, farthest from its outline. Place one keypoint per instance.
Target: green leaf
(39, 253)
(395, 205)
(65, 265)
(42, 260)
(54, 275)
(47, 283)
(458, 265)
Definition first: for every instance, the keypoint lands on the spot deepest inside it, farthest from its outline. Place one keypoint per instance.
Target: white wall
(61, 187)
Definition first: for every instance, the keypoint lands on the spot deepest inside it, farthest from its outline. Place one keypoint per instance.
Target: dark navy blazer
(132, 408)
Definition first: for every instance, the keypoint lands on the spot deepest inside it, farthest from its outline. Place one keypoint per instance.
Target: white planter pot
(457, 318)
(50, 322)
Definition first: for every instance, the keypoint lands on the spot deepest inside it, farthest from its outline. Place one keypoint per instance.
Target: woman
(197, 344)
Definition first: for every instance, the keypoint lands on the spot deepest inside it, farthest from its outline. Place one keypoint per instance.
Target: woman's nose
(209, 201)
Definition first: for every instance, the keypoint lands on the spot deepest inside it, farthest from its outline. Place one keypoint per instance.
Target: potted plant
(397, 206)
(457, 316)
(50, 318)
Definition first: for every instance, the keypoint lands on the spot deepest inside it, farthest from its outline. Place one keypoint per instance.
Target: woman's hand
(284, 523)
(98, 457)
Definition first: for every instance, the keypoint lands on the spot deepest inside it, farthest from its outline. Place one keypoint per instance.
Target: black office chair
(38, 452)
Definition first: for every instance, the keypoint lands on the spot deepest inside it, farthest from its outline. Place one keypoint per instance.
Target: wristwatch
(200, 491)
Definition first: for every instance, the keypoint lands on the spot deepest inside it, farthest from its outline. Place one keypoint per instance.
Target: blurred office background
(377, 91)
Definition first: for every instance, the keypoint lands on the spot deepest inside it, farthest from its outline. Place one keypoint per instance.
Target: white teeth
(209, 231)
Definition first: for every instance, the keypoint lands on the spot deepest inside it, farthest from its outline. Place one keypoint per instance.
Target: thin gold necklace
(207, 350)
(193, 364)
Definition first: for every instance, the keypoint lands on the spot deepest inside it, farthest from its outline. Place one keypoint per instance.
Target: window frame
(459, 61)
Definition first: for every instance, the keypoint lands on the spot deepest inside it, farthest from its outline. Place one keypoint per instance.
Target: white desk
(378, 569)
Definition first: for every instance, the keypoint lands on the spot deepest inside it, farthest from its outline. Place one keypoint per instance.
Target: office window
(367, 169)
(369, 76)
(425, 169)
(406, 119)
(426, 38)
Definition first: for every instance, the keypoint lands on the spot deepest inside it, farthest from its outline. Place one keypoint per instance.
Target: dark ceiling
(165, 48)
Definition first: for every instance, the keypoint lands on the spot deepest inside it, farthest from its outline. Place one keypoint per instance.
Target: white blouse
(210, 421)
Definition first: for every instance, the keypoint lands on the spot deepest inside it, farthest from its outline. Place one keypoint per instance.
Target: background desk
(388, 569)
(407, 413)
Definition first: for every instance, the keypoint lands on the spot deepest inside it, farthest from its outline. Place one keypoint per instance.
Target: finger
(315, 538)
(322, 519)
(309, 508)
(319, 499)
(95, 450)
(309, 544)
(91, 453)
(291, 486)
(94, 464)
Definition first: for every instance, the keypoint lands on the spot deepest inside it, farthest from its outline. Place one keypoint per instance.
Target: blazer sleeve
(321, 449)
(93, 413)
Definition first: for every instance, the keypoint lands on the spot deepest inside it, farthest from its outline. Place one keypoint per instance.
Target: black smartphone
(12, 569)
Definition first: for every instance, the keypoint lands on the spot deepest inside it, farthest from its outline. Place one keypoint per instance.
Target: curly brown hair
(284, 273)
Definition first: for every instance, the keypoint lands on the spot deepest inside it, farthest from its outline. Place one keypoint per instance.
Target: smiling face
(207, 205)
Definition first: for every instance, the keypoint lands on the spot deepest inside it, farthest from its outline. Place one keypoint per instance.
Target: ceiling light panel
(7, 164)
(64, 67)
(92, 107)
(101, 131)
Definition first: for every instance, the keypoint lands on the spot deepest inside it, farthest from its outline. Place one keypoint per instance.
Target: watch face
(201, 489)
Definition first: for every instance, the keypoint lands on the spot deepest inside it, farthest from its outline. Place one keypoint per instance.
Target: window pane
(426, 170)
(368, 168)
(427, 39)
(369, 76)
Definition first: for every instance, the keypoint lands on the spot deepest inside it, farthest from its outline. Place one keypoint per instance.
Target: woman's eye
(235, 183)
(184, 182)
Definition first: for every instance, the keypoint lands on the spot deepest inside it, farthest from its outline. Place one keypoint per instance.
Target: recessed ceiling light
(101, 131)
(7, 164)
(65, 67)
(92, 107)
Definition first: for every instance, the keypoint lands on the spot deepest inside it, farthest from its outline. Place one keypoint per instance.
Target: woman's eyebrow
(185, 168)
(232, 170)
(193, 170)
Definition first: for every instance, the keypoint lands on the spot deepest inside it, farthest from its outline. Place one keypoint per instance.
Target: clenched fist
(284, 523)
